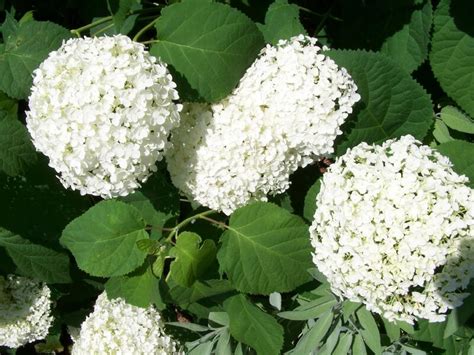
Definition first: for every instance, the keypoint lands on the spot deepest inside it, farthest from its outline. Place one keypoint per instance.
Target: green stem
(309, 11)
(77, 31)
(174, 232)
(144, 29)
(212, 220)
(324, 19)
(150, 42)
(103, 29)
(317, 13)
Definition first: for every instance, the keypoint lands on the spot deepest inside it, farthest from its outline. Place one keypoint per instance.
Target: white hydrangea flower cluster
(25, 311)
(101, 109)
(116, 327)
(285, 114)
(394, 229)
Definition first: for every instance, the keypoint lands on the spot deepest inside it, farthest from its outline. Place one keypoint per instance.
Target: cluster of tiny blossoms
(116, 327)
(101, 109)
(285, 114)
(25, 311)
(394, 229)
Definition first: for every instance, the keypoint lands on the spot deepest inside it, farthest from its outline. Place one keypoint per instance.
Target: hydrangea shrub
(236, 177)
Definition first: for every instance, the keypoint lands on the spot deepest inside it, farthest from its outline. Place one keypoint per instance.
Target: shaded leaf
(392, 103)
(461, 154)
(35, 260)
(459, 316)
(310, 201)
(8, 107)
(452, 50)
(409, 45)
(16, 150)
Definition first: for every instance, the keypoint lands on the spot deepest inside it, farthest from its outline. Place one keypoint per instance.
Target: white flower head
(394, 229)
(25, 311)
(116, 327)
(284, 114)
(101, 109)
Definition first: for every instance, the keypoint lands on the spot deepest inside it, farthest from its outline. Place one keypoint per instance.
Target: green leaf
(198, 291)
(331, 340)
(8, 107)
(461, 154)
(312, 309)
(220, 318)
(457, 120)
(433, 333)
(282, 21)
(190, 326)
(9, 27)
(157, 200)
(16, 150)
(265, 249)
(310, 340)
(202, 349)
(158, 265)
(252, 326)
(358, 348)
(366, 24)
(406, 327)
(392, 103)
(123, 23)
(209, 44)
(223, 346)
(24, 51)
(104, 239)
(343, 345)
(39, 198)
(370, 331)
(310, 201)
(409, 45)
(7, 266)
(392, 329)
(348, 309)
(139, 288)
(412, 350)
(452, 50)
(441, 132)
(35, 260)
(191, 258)
(459, 316)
